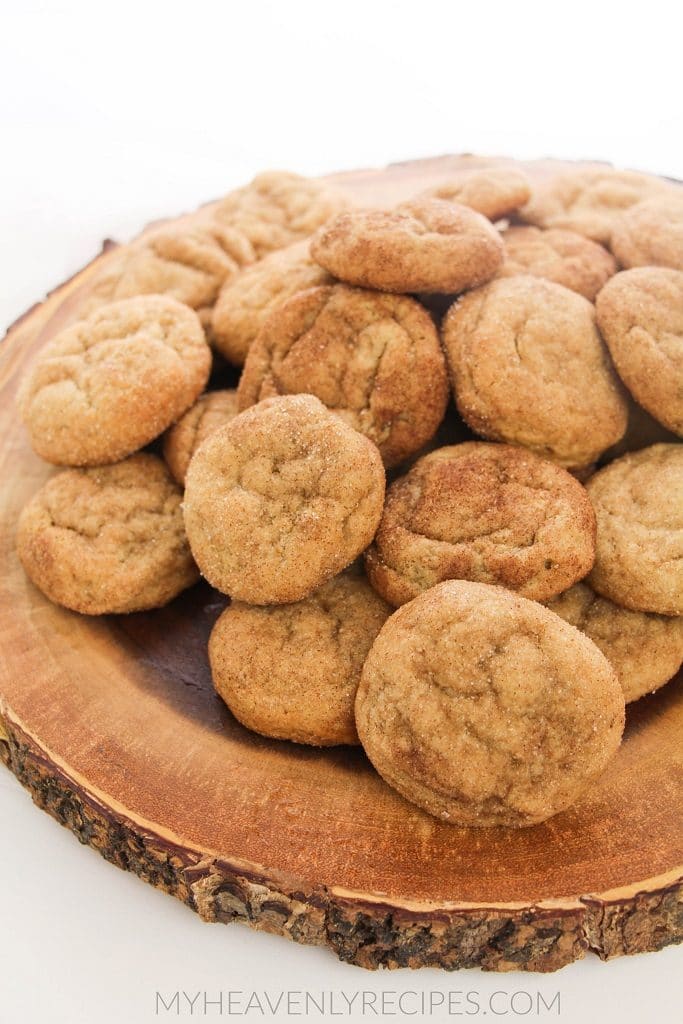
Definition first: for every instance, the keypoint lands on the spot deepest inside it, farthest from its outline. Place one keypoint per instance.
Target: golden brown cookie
(645, 650)
(428, 245)
(638, 502)
(211, 411)
(485, 708)
(246, 301)
(278, 208)
(281, 499)
(484, 512)
(372, 358)
(291, 671)
(109, 384)
(187, 262)
(495, 192)
(108, 540)
(650, 234)
(640, 315)
(590, 200)
(528, 367)
(564, 257)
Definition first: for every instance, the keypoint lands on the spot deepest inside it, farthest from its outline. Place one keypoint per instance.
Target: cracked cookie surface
(246, 302)
(638, 502)
(108, 540)
(189, 263)
(374, 359)
(495, 192)
(292, 671)
(529, 367)
(564, 257)
(486, 709)
(590, 200)
(427, 245)
(483, 512)
(211, 410)
(278, 208)
(281, 499)
(640, 315)
(650, 234)
(108, 385)
(644, 649)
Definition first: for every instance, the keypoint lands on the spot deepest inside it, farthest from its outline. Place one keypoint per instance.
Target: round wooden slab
(113, 726)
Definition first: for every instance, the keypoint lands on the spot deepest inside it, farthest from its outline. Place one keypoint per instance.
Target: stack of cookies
(445, 497)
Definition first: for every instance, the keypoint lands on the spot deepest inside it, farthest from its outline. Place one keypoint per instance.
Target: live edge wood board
(113, 727)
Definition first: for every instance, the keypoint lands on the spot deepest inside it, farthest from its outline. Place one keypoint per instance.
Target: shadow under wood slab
(113, 727)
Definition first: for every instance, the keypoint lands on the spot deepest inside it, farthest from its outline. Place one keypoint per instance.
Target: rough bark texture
(368, 934)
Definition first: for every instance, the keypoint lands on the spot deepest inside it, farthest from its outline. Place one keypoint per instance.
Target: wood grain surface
(113, 726)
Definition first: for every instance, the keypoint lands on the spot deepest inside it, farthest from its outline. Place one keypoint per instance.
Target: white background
(113, 114)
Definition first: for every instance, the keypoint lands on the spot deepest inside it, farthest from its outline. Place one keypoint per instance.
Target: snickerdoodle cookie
(210, 411)
(590, 200)
(291, 671)
(528, 367)
(484, 512)
(278, 208)
(108, 540)
(638, 502)
(561, 256)
(645, 650)
(372, 358)
(109, 384)
(650, 234)
(188, 262)
(495, 192)
(281, 499)
(485, 708)
(246, 301)
(427, 245)
(640, 315)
